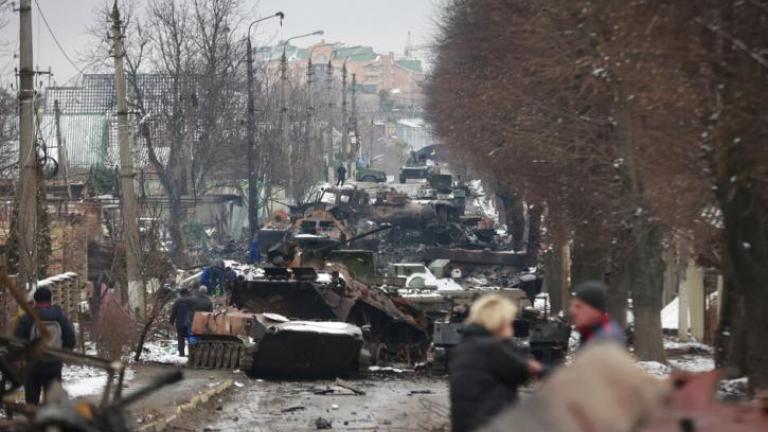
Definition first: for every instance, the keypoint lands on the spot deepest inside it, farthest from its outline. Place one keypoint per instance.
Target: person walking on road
(62, 335)
(182, 313)
(486, 369)
(341, 175)
(589, 315)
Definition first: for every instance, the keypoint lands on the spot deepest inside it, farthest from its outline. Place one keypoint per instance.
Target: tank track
(217, 354)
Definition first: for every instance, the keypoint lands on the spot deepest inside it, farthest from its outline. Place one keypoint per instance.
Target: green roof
(411, 65)
(356, 53)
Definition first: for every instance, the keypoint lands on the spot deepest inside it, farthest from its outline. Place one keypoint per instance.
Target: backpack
(54, 329)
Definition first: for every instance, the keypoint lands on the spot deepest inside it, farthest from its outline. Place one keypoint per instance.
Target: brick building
(402, 78)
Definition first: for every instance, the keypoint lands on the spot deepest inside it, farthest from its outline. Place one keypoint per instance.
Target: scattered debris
(293, 409)
(348, 386)
(322, 423)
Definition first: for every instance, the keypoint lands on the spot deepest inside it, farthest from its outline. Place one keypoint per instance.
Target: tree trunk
(514, 218)
(589, 260)
(647, 265)
(744, 322)
(648, 283)
(619, 283)
(534, 235)
(176, 231)
(553, 279)
(731, 337)
(738, 165)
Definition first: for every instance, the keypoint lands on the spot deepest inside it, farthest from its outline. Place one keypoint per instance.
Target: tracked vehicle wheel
(216, 354)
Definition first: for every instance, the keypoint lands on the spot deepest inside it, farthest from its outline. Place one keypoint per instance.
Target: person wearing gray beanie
(589, 315)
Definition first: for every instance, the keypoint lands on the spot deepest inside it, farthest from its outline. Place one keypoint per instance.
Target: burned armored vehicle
(268, 344)
(335, 295)
(545, 338)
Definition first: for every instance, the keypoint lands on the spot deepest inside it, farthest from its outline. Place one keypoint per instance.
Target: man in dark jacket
(486, 368)
(589, 315)
(182, 312)
(62, 333)
(341, 175)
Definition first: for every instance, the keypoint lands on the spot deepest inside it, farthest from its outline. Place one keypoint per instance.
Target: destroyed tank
(544, 338)
(335, 295)
(268, 344)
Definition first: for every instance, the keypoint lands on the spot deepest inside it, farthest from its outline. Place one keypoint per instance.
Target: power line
(55, 39)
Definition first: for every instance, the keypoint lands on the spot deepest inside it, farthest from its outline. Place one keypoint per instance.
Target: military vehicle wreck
(335, 295)
(265, 344)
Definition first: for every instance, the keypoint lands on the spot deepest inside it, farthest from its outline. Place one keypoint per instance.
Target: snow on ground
(735, 389)
(162, 351)
(80, 381)
(671, 344)
(688, 363)
(694, 363)
(429, 281)
(689, 356)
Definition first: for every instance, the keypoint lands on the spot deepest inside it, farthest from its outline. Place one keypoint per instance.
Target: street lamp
(253, 196)
(284, 109)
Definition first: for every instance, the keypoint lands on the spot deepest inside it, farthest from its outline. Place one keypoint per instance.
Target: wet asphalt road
(399, 403)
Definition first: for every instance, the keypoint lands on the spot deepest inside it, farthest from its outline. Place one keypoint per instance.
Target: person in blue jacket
(46, 370)
(212, 277)
(254, 253)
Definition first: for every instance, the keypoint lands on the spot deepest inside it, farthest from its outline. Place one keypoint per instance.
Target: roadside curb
(199, 399)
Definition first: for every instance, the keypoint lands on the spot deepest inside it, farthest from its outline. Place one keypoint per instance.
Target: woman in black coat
(485, 368)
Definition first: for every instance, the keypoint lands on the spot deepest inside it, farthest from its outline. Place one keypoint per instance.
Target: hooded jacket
(485, 375)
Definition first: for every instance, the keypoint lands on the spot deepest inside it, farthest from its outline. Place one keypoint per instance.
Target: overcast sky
(383, 24)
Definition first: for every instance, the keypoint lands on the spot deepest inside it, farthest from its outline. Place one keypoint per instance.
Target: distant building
(415, 132)
(402, 78)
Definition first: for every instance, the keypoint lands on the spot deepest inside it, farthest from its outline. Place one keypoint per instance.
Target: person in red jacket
(589, 315)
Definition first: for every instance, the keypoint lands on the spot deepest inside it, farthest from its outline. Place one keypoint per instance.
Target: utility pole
(328, 152)
(253, 175)
(63, 162)
(310, 102)
(284, 118)
(136, 295)
(344, 117)
(355, 131)
(253, 196)
(284, 138)
(28, 161)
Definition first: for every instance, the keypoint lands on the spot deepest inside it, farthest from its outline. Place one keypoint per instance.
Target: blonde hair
(492, 311)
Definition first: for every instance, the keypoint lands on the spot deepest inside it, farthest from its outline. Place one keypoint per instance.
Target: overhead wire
(55, 39)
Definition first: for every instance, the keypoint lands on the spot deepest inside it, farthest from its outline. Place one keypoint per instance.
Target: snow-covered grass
(734, 389)
(672, 344)
(81, 381)
(162, 351)
(688, 363)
